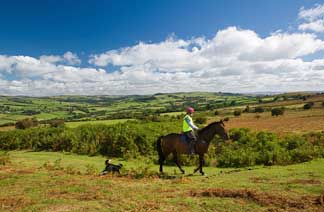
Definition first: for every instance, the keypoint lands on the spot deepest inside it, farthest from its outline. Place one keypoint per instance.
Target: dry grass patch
(16, 170)
(14, 203)
(305, 203)
(260, 180)
(306, 181)
(299, 121)
(82, 196)
(62, 208)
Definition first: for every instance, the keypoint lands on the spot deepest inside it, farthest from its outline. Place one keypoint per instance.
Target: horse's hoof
(203, 174)
(183, 172)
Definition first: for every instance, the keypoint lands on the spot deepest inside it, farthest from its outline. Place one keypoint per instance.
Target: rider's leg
(192, 143)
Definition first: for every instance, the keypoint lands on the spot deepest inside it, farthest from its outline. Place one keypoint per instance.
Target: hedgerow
(135, 139)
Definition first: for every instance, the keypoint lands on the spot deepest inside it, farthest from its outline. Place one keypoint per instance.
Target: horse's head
(217, 127)
(220, 129)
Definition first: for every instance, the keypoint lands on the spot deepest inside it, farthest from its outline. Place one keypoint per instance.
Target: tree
(259, 100)
(308, 105)
(26, 123)
(277, 111)
(247, 109)
(259, 109)
(201, 120)
(56, 123)
(237, 112)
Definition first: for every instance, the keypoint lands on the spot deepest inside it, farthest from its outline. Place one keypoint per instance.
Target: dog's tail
(159, 147)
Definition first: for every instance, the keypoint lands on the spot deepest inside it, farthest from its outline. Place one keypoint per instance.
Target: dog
(111, 168)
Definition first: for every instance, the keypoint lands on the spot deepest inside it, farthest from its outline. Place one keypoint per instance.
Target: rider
(188, 127)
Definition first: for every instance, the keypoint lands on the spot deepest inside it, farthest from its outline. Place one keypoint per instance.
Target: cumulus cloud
(50, 58)
(233, 60)
(316, 26)
(68, 58)
(71, 59)
(312, 13)
(313, 18)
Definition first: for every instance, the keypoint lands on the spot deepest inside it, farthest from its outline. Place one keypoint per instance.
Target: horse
(172, 143)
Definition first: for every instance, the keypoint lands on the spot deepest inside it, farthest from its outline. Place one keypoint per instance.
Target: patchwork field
(292, 121)
(107, 122)
(45, 181)
(88, 108)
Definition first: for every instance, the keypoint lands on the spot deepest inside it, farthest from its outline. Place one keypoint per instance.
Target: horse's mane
(208, 127)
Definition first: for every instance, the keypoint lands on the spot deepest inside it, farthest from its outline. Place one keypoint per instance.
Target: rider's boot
(192, 148)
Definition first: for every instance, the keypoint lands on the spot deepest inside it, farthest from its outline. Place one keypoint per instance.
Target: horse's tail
(159, 147)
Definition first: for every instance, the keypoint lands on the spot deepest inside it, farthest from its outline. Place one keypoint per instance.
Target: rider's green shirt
(185, 126)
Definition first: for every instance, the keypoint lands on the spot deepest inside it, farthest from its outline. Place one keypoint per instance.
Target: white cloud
(68, 58)
(312, 13)
(316, 26)
(246, 44)
(50, 58)
(71, 59)
(234, 60)
(313, 17)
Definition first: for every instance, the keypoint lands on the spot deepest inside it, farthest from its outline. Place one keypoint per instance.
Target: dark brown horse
(172, 143)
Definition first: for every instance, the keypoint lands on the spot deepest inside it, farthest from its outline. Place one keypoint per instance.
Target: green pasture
(107, 122)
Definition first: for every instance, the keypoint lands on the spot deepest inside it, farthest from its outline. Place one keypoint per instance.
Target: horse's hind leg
(161, 161)
(175, 158)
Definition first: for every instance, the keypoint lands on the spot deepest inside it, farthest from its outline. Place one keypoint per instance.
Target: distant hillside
(78, 108)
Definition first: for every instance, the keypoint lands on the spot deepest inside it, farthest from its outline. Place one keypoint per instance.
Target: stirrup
(192, 152)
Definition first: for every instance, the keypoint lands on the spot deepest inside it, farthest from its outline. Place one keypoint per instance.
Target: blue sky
(106, 40)
(53, 27)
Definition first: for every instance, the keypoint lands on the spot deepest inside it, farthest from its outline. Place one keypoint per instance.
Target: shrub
(247, 148)
(26, 123)
(259, 109)
(216, 113)
(201, 120)
(308, 105)
(57, 123)
(237, 112)
(277, 111)
(226, 119)
(247, 109)
(4, 158)
(138, 139)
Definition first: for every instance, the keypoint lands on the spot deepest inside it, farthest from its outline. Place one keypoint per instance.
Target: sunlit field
(46, 181)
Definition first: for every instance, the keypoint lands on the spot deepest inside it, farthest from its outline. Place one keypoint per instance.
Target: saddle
(184, 138)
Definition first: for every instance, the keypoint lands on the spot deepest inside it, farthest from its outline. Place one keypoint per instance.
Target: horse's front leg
(199, 166)
(201, 163)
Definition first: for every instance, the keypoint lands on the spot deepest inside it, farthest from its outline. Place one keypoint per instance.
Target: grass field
(107, 122)
(46, 181)
(300, 121)
(106, 107)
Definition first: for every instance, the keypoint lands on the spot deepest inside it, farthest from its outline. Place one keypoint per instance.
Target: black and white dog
(111, 168)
